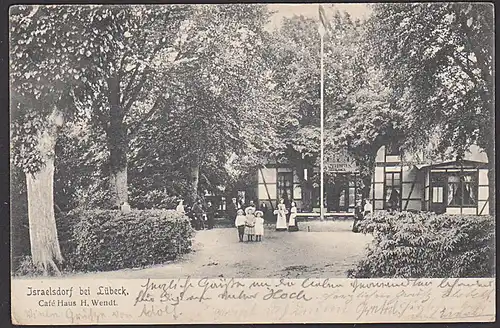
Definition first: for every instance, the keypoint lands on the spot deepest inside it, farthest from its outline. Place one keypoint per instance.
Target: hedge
(428, 245)
(103, 240)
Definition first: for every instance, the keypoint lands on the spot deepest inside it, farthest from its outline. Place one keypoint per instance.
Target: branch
(140, 84)
(101, 117)
(129, 84)
(30, 15)
(120, 70)
(481, 60)
(135, 92)
(146, 117)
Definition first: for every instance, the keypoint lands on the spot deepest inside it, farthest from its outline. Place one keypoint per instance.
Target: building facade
(452, 187)
(278, 181)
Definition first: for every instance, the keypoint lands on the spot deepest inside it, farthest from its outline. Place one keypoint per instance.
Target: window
(462, 190)
(352, 197)
(392, 199)
(285, 186)
(437, 194)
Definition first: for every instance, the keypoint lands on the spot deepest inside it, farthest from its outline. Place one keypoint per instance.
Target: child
(259, 225)
(250, 223)
(240, 223)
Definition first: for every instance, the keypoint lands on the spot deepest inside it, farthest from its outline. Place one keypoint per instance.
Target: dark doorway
(337, 197)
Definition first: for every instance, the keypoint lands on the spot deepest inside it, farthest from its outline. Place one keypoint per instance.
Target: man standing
(210, 215)
(231, 209)
(394, 200)
(358, 216)
(198, 214)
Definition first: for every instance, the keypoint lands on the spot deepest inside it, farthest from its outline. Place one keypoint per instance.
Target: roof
(461, 163)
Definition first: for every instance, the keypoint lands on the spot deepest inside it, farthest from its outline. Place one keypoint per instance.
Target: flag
(324, 26)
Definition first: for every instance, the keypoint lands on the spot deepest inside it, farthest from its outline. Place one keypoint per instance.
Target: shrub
(25, 267)
(102, 240)
(427, 245)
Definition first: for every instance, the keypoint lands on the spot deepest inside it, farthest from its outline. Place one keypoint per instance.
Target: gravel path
(329, 249)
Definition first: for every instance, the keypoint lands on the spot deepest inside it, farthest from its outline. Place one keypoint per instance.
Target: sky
(356, 10)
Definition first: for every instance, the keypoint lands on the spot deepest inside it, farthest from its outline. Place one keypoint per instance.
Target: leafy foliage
(444, 77)
(428, 245)
(40, 80)
(102, 240)
(444, 83)
(359, 117)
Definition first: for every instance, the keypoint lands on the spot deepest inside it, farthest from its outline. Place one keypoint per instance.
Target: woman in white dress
(292, 223)
(281, 213)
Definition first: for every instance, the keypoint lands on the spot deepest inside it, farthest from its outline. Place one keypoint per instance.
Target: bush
(25, 267)
(428, 245)
(102, 240)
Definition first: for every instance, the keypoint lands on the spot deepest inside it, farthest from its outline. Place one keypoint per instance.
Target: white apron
(281, 217)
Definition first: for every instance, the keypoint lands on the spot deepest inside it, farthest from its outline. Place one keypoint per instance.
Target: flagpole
(322, 196)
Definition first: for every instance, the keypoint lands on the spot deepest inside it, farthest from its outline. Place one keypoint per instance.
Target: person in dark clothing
(240, 204)
(358, 216)
(198, 214)
(268, 213)
(210, 215)
(264, 209)
(394, 200)
(231, 210)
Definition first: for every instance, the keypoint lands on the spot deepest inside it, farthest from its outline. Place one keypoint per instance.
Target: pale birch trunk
(45, 250)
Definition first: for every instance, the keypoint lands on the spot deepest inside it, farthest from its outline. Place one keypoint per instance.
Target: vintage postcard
(252, 163)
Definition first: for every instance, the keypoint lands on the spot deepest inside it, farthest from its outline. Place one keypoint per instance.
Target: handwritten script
(220, 300)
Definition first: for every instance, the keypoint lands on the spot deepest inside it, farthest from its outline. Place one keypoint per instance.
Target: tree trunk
(195, 174)
(45, 249)
(118, 147)
(119, 186)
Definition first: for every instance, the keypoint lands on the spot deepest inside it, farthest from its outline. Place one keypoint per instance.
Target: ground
(328, 249)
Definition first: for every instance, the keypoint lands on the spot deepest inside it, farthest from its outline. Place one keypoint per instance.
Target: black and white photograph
(273, 141)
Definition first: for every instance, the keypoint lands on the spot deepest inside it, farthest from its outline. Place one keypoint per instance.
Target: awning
(458, 164)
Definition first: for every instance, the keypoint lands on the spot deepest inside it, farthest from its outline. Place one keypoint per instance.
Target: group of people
(250, 221)
(201, 215)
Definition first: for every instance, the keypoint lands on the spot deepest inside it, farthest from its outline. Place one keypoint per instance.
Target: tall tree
(295, 66)
(137, 47)
(40, 103)
(212, 92)
(438, 60)
(360, 116)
